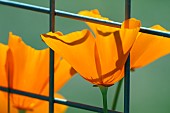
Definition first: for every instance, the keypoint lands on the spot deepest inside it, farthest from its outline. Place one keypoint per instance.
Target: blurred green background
(150, 92)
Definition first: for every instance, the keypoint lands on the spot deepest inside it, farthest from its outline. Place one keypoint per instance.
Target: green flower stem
(117, 95)
(103, 90)
(21, 111)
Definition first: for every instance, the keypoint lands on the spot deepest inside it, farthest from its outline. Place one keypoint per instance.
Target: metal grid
(52, 13)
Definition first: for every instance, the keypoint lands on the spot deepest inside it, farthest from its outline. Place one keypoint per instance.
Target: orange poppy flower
(99, 59)
(147, 48)
(29, 71)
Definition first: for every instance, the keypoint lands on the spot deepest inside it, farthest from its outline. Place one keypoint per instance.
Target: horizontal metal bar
(82, 106)
(108, 23)
(155, 32)
(51, 60)
(86, 18)
(25, 6)
(19, 92)
(79, 17)
(57, 100)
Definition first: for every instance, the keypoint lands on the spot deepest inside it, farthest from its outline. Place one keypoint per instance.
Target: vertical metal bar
(127, 9)
(8, 100)
(51, 66)
(9, 92)
(127, 86)
(127, 66)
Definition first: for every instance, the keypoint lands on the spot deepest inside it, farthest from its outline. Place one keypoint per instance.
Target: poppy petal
(77, 48)
(113, 46)
(147, 48)
(129, 32)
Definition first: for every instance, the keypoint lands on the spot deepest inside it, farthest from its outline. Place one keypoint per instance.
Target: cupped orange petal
(130, 29)
(147, 48)
(77, 48)
(44, 107)
(113, 46)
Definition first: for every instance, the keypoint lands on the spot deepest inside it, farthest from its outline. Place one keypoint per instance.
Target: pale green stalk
(103, 90)
(115, 99)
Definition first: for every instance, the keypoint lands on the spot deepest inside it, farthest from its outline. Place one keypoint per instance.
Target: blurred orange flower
(99, 59)
(148, 48)
(3, 65)
(29, 71)
(4, 104)
(3, 79)
(41, 108)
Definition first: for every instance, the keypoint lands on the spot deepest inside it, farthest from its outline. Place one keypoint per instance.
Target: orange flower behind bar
(148, 48)
(99, 59)
(42, 108)
(29, 71)
(4, 104)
